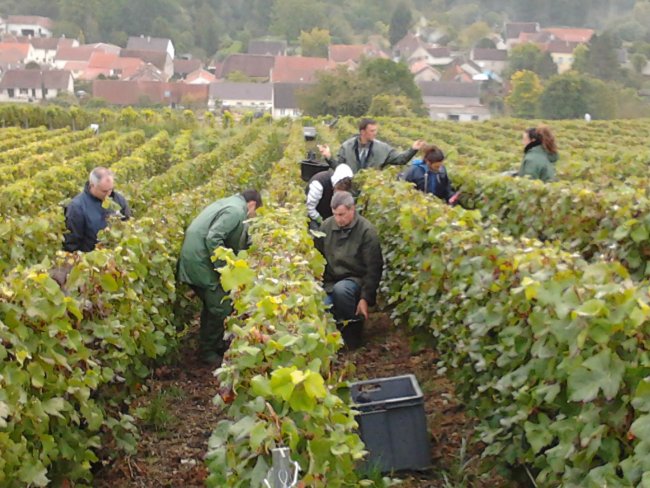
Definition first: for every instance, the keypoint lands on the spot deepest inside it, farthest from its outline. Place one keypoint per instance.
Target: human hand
(324, 150)
(418, 144)
(362, 308)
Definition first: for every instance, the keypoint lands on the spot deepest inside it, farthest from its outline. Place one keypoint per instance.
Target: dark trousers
(344, 300)
(216, 308)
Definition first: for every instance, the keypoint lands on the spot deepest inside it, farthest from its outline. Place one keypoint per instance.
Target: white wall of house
(564, 61)
(26, 94)
(241, 103)
(34, 30)
(427, 75)
(279, 113)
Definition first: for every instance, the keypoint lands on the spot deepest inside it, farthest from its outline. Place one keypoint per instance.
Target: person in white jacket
(320, 190)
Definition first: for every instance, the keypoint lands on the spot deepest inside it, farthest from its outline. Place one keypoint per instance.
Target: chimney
(148, 38)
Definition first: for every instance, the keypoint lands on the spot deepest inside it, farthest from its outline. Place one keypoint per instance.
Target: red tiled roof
(80, 53)
(157, 58)
(200, 73)
(340, 53)
(132, 92)
(299, 69)
(561, 47)
(17, 48)
(570, 34)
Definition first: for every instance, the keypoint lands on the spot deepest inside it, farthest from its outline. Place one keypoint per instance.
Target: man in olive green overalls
(219, 224)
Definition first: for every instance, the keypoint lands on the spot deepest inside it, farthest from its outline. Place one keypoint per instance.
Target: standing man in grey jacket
(366, 151)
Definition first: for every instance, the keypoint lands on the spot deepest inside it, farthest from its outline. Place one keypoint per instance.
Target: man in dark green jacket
(354, 260)
(366, 151)
(219, 224)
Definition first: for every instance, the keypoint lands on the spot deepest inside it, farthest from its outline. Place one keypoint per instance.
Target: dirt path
(178, 417)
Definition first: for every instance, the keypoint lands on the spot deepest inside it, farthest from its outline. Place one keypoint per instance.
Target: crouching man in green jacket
(354, 264)
(219, 224)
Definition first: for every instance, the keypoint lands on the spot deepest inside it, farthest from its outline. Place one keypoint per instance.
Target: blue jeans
(344, 299)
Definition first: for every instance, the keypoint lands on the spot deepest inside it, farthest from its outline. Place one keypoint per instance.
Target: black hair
(252, 196)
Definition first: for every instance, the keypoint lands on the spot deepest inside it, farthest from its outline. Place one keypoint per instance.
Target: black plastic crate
(392, 423)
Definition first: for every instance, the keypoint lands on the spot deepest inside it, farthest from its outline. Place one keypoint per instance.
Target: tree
(238, 76)
(470, 35)
(526, 90)
(639, 62)
(529, 57)
(315, 42)
(602, 58)
(400, 23)
(391, 106)
(340, 92)
(290, 17)
(565, 97)
(390, 77)
(580, 57)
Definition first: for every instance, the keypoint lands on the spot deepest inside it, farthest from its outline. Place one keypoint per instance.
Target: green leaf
(260, 386)
(257, 435)
(641, 428)
(641, 400)
(281, 383)
(315, 385)
(602, 371)
(108, 282)
(33, 473)
(54, 406)
(538, 436)
(639, 233)
(237, 276)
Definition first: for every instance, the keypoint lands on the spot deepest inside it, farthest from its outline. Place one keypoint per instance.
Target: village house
(267, 47)
(123, 93)
(27, 25)
(512, 32)
(450, 100)
(493, 60)
(352, 54)
(406, 46)
(148, 43)
(421, 71)
(15, 54)
(160, 59)
(298, 69)
(285, 102)
(256, 67)
(199, 77)
(240, 96)
(32, 85)
(183, 67)
(433, 56)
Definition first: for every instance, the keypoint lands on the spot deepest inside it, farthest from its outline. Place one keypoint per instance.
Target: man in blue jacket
(89, 211)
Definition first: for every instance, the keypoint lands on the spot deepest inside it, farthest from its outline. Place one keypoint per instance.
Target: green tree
(580, 58)
(391, 106)
(471, 34)
(390, 77)
(639, 62)
(400, 23)
(524, 97)
(290, 17)
(565, 97)
(238, 76)
(340, 92)
(315, 42)
(529, 57)
(602, 58)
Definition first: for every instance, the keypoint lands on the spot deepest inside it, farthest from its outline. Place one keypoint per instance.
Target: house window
(474, 117)
(44, 92)
(24, 91)
(453, 117)
(10, 92)
(33, 92)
